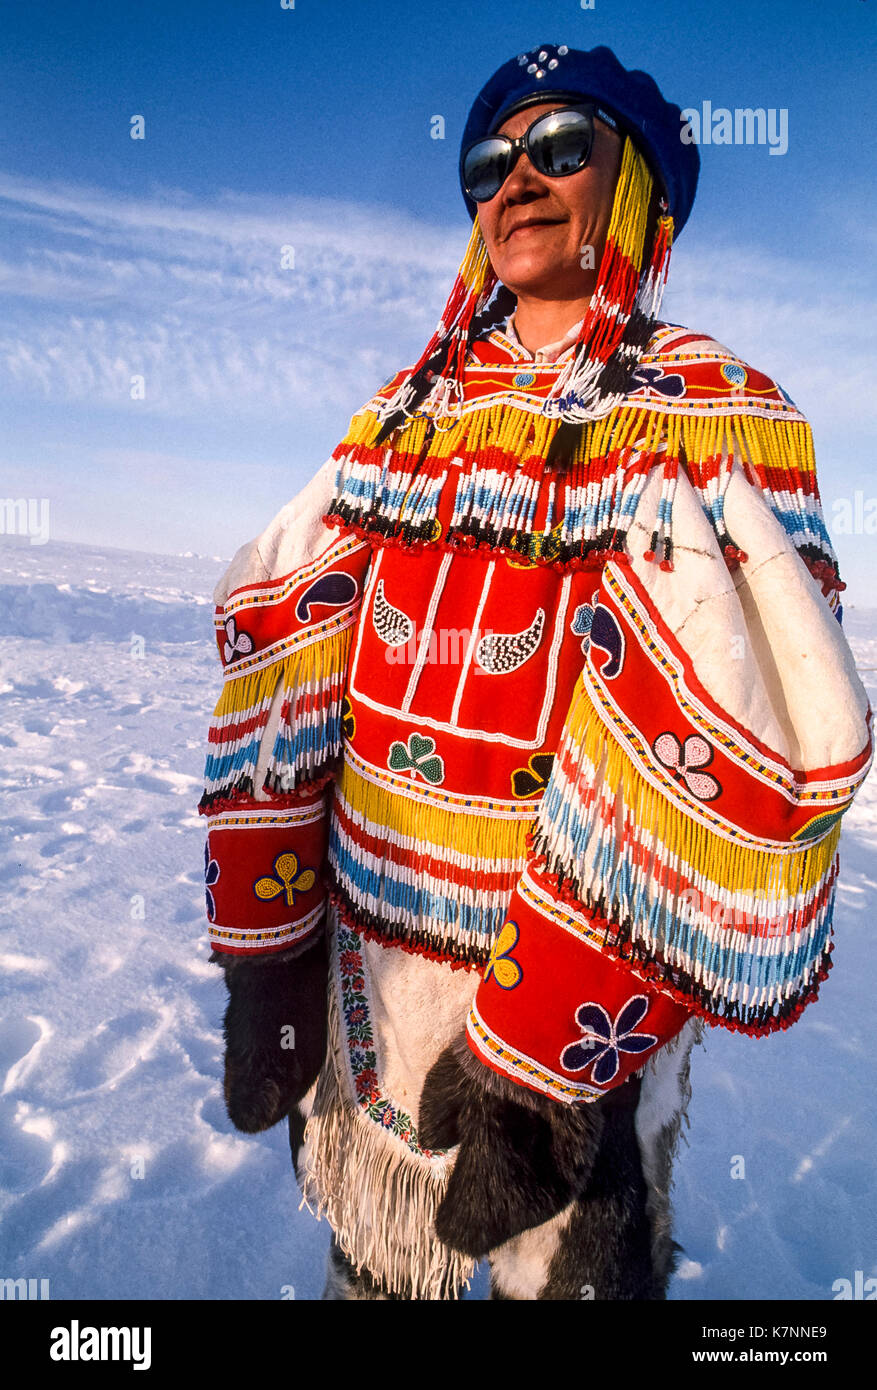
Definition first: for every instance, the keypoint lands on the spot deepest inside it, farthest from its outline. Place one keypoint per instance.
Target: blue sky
(310, 127)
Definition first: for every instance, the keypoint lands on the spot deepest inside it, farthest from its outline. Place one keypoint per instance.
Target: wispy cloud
(197, 298)
(193, 296)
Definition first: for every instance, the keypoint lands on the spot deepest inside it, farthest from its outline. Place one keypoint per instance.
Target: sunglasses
(557, 144)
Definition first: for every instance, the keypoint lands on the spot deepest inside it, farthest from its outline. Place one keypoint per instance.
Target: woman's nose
(523, 183)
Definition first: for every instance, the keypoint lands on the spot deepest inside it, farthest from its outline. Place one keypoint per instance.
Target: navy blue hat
(632, 98)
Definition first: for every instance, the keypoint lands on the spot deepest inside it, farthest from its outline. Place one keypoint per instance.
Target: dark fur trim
(607, 1242)
(227, 961)
(522, 1158)
(444, 1094)
(263, 1077)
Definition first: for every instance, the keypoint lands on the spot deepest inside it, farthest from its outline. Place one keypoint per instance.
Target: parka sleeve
(684, 856)
(285, 614)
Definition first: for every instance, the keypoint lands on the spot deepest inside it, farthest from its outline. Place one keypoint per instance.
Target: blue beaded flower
(211, 874)
(602, 1039)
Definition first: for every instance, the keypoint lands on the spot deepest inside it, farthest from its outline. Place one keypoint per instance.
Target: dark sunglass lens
(485, 168)
(561, 143)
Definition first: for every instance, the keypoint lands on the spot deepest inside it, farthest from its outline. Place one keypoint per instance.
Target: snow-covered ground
(110, 1056)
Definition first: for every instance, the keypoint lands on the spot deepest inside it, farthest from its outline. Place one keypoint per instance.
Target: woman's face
(536, 228)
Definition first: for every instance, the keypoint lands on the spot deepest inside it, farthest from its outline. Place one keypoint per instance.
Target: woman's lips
(533, 226)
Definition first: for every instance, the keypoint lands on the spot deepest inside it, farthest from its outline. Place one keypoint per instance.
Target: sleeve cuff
(556, 1014)
(265, 894)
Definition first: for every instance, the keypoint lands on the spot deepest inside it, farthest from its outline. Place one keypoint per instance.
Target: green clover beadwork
(418, 755)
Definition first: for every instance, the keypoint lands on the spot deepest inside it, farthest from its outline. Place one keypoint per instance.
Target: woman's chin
(540, 282)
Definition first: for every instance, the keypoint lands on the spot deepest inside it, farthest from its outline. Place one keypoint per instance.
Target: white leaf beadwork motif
(238, 643)
(500, 652)
(392, 625)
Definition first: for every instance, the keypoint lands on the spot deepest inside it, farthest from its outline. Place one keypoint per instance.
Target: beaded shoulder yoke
(528, 484)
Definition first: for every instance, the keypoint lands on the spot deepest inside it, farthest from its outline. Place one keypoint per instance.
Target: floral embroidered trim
(361, 1049)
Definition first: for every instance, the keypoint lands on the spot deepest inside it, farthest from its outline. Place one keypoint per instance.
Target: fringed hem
(242, 798)
(308, 681)
(370, 926)
(457, 954)
(378, 1197)
(382, 533)
(617, 943)
(646, 963)
(738, 924)
(589, 556)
